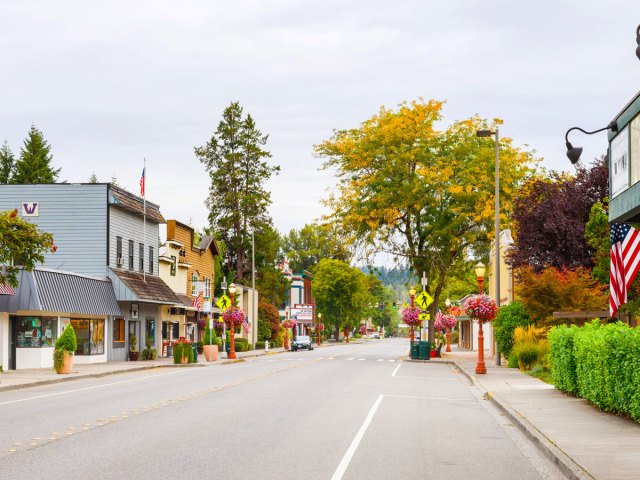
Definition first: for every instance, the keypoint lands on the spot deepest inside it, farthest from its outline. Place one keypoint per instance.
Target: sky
(113, 83)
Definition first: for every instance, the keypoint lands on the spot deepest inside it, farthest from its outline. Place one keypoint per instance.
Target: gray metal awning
(62, 292)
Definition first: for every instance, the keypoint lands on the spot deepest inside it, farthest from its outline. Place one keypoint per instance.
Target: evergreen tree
(34, 165)
(238, 200)
(7, 164)
(93, 178)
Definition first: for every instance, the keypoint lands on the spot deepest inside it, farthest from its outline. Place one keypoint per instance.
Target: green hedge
(600, 363)
(241, 344)
(259, 345)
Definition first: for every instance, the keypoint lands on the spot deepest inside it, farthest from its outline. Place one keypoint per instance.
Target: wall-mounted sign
(30, 209)
(134, 310)
(620, 162)
(302, 313)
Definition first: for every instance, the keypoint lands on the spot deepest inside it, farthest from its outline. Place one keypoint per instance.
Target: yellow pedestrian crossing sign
(405, 305)
(223, 302)
(424, 300)
(424, 316)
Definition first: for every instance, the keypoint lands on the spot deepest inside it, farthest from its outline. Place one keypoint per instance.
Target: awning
(130, 286)
(6, 289)
(186, 302)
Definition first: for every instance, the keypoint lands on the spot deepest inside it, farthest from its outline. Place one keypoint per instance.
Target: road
(342, 412)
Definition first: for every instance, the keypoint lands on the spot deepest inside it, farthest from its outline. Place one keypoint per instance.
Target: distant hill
(396, 278)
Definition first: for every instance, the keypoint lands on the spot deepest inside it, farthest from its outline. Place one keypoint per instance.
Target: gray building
(103, 234)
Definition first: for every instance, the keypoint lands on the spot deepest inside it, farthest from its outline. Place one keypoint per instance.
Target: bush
(509, 318)
(67, 341)
(182, 349)
(527, 354)
(563, 364)
(241, 344)
(259, 345)
(149, 354)
(512, 361)
(453, 337)
(210, 337)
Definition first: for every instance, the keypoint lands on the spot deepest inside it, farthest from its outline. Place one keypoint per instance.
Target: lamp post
(232, 343)
(412, 296)
(447, 303)
(286, 330)
(223, 286)
(573, 153)
(318, 327)
(480, 367)
(426, 324)
(496, 260)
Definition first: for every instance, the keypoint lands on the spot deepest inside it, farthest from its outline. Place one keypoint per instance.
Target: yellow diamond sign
(424, 316)
(424, 300)
(223, 302)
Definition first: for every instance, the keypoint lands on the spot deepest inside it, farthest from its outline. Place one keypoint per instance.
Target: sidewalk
(15, 379)
(583, 441)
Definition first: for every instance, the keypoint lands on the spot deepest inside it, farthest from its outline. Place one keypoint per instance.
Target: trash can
(195, 352)
(414, 351)
(170, 351)
(424, 350)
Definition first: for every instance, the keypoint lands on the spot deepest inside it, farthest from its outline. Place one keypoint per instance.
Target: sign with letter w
(30, 209)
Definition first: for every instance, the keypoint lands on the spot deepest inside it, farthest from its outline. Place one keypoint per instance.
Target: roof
(209, 241)
(186, 301)
(65, 292)
(152, 288)
(133, 203)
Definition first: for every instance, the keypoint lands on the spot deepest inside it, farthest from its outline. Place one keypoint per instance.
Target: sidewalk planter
(211, 352)
(65, 346)
(183, 352)
(67, 362)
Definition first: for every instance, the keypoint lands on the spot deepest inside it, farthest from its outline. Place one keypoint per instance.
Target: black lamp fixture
(573, 153)
(638, 42)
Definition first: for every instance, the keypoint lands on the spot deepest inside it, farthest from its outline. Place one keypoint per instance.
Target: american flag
(245, 324)
(197, 302)
(142, 182)
(625, 262)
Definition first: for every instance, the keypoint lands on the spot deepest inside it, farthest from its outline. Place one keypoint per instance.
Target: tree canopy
(423, 195)
(34, 164)
(7, 164)
(304, 248)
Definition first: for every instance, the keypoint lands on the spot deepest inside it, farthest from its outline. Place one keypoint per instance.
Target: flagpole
(144, 217)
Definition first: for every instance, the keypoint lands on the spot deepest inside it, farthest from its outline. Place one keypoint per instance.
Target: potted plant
(133, 348)
(149, 353)
(210, 344)
(200, 347)
(182, 351)
(65, 347)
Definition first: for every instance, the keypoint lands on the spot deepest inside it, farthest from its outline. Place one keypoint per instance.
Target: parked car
(302, 341)
(375, 335)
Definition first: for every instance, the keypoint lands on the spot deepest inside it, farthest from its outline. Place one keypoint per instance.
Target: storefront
(44, 303)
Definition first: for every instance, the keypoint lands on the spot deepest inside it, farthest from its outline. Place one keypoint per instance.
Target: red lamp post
(286, 329)
(447, 303)
(318, 327)
(232, 333)
(480, 367)
(412, 296)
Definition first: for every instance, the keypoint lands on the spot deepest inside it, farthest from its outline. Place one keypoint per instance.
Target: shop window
(119, 252)
(151, 260)
(173, 266)
(194, 280)
(36, 332)
(130, 254)
(141, 257)
(89, 335)
(151, 330)
(118, 332)
(207, 288)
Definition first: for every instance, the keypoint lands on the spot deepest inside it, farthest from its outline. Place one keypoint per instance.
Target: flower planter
(133, 356)
(434, 353)
(66, 364)
(211, 352)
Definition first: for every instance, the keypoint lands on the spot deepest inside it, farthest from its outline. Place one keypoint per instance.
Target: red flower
(55, 248)
(14, 213)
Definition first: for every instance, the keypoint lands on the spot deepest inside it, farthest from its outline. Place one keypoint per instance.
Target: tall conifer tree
(34, 165)
(7, 163)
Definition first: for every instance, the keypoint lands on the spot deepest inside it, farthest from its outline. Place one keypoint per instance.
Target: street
(343, 412)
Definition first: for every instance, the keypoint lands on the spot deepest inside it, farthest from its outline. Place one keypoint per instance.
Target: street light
(480, 367)
(412, 296)
(496, 263)
(447, 303)
(232, 343)
(573, 153)
(223, 286)
(318, 327)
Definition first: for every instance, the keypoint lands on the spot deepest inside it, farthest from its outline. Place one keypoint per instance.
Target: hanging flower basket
(481, 307)
(456, 311)
(233, 317)
(290, 323)
(411, 316)
(320, 327)
(444, 321)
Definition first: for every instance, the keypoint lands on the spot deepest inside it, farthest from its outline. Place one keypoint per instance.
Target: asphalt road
(343, 412)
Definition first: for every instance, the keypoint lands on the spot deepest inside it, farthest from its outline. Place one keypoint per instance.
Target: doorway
(13, 328)
(134, 329)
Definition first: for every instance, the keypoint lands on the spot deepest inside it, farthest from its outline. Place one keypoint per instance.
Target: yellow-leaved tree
(420, 194)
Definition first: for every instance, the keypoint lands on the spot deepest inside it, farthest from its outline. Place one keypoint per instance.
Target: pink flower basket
(481, 307)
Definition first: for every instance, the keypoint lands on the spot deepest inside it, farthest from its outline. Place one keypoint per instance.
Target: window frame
(131, 254)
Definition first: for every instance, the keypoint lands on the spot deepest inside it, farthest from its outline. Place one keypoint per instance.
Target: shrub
(241, 344)
(512, 361)
(527, 354)
(67, 340)
(453, 337)
(563, 364)
(509, 318)
(210, 337)
(259, 345)
(182, 349)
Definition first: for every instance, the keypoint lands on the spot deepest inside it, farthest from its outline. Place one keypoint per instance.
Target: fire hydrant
(266, 345)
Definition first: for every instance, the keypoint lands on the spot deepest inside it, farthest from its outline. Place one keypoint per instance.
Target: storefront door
(134, 329)
(13, 328)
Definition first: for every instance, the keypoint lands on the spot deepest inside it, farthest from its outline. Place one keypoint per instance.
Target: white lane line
(396, 370)
(360, 359)
(88, 388)
(392, 360)
(381, 359)
(344, 463)
(434, 398)
(349, 359)
(330, 358)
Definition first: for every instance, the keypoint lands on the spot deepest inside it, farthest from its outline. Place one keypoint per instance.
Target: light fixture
(223, 284)
(638, 42)
(232, 289)
(480, 269)
(573, 153)
(484, 133)
(447, 303)
(412, 292)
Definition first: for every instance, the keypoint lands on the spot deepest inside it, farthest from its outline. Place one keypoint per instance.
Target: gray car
(302, 341)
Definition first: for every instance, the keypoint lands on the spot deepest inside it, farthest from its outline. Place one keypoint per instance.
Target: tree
(34, 165)
(509, 318)
(550, 216)
(553, 290)
(341, 294)
(21, 245)
(268, 315)
(304, 248)
(597, 236)
(424, 196)
(238, 200)
(93, 178)
(7, 164)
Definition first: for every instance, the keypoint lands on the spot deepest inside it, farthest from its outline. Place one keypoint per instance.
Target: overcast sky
(112, 82)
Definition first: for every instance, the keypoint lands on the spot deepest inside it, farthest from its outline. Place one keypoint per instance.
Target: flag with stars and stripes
(625, 262)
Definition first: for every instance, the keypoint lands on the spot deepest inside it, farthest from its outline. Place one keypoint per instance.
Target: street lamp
(447, 303)
(232, 343)
(412, 296)
(318, 327)
(573, 153)
(480, 367)
(223, 286)
(496, 262)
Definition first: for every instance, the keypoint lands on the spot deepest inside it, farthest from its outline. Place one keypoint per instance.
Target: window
(207, 288)
(130, 254)
(89, 335)
(36, 332)
(194, 282)
(118, 332)
(151, 260)
(119, 259)
(151, 330)
(173, 266)
(141, 257)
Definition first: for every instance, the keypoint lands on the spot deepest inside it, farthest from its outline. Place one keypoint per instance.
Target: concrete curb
(569, 467)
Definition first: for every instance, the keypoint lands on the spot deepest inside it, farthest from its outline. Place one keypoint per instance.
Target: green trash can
(195, 352)
(414, 351)
(424, 350)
